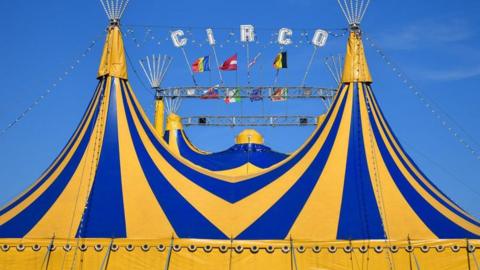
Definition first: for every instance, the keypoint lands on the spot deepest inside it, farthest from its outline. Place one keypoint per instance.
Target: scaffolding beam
(247, 92)
(251, 121)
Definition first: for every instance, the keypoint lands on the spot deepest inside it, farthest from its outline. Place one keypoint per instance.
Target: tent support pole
(231, 254)
(293, 261)
(169, 255)
(468, 254)
(107, 257)
(46, 260)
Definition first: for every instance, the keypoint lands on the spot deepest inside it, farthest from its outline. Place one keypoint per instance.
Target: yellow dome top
(174, 122)
(249, 136)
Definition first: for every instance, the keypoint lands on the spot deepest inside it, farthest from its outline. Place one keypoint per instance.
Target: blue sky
(434, 42)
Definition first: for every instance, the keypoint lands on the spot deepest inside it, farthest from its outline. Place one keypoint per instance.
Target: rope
(456, 178)
(378, 187)
(231, 255)
(315, 48)
(48, 91)
(293, 259)
(95, 101)
(169, 255)
(107, 257)
(93, 167)
(445, 120)
(46, 259)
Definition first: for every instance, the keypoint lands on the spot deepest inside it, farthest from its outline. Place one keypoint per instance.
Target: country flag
(279, 94)
(254, 61)
(280, 61)
(211, 93)
(233, 96)
(256, 95)
(201, 64)
(230, 64)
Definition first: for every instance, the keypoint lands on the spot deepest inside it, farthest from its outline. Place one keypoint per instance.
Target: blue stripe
(278, 220)
(166, 135)
(224, 189)
(66, 149)
(184, 218)
(435, 221)
(24, 221)
(105, 215)
(412, 173)
(359, 213)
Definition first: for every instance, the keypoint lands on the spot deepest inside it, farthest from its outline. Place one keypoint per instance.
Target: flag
(191, 92)
(201, 64)
(210, 93)
(230, 63)
(233, 96)
(256, 95)
(254, 61)
(279, 94)
(280, 61)
(307, 92)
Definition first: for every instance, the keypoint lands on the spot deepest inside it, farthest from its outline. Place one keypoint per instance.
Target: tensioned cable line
(447, 122)
(49, 90)
(114, 9)
(354, 10)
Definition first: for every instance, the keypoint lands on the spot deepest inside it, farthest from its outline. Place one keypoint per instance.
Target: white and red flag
(230, 64)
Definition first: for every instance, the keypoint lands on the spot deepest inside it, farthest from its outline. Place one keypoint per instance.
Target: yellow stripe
(319, 218)
(232, 219)
(430, 199)
(143, 214)
(399, 219)
(411, 166)
(21, 206)
(63, 218)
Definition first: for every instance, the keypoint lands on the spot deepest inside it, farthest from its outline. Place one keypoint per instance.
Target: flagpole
(276, 77)
(218, 65)
(189, 66)
(248, 64)
(309, 65)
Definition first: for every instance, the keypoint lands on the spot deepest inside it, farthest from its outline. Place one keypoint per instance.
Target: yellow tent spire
(174, 122)
(159, 119)
(355, 68)
(113, 62)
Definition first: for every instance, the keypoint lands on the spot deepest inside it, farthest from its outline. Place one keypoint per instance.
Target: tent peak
(355, 68)
(113, 62)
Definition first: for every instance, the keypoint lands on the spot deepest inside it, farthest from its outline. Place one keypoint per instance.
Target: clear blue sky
(435, 42)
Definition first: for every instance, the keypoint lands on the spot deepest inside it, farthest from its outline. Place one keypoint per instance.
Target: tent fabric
(123, 174)
(236, 156)
(190, 254)
(350, 185)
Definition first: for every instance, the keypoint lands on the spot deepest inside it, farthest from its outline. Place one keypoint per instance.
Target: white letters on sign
(247, 33)
(284, 35)
(178, 39)
(211, 38)
(320, 38)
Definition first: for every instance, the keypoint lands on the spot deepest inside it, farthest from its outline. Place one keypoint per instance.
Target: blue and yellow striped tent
(249, 155)
(349, 198)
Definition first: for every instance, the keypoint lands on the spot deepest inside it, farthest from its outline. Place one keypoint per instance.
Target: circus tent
(118, 196)
(247, 156)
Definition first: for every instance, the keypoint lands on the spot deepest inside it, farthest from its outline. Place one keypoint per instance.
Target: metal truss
(251, 121)
(246, 92)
